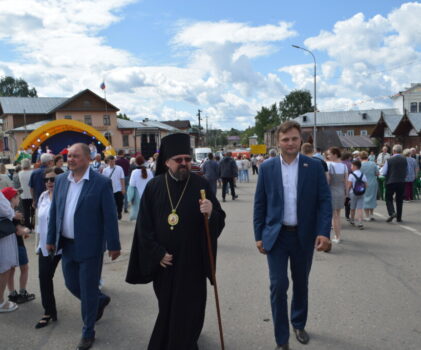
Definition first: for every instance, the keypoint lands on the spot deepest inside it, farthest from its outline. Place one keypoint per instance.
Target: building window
(67, 117)
(125, 140)
(350, 133)
(6, 143)
(339, 132)
(363, 133)
(107, 120)
(419, 107)
(414, 107)
(88, 119)
(108, 137)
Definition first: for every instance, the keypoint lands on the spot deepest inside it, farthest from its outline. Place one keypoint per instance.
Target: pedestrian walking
(9, 256)
(246, 168)
(26, 196)
(292, 216)
(228, 171)
(116, 174)
(210, 171)
(97, 165)
(137, 183)
(371, 172)
(346, 159)
(383, 156)
(337, 179)
(254, 164)
(169, 245)
(83, 222)
(357, 185)
(47, 264)
(125, 165)
(240, 168)
(395, 170)
(36, 181)
(411, 175)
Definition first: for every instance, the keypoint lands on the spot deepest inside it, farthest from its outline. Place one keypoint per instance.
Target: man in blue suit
(83, 221)
(292, 216)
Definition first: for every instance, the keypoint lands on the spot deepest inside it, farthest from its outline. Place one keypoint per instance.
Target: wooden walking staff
(213, 276)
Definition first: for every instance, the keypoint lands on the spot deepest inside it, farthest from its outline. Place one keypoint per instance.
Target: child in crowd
(23, 296)
(357, 200)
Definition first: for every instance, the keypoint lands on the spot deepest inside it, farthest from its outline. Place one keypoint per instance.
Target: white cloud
(368, 58)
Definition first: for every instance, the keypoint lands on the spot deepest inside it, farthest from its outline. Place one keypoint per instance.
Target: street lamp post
(315, 100)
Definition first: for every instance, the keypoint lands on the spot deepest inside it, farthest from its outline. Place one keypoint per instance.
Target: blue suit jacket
(314, 207)
(95, 220)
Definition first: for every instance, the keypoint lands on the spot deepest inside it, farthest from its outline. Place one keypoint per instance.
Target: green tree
(123, 116)
(265, 119)
(294, 104)
(250, 131)
(10, 86)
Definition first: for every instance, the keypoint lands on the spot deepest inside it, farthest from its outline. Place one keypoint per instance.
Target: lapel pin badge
(305, 165)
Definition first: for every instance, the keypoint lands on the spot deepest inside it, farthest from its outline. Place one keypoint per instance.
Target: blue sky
(165, 59)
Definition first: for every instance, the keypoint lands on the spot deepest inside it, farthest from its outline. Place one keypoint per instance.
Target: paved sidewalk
(364, 295)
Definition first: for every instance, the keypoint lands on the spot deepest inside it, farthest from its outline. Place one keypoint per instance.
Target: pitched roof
(29, 127)
(360, 117)
(415, 119)
(127, 124)
(74, 97)
(179, 124)
(356, 141)
(392, 121)
(159, 125)
(30, 105)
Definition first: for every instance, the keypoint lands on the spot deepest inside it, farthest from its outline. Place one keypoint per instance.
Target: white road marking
(408, 228)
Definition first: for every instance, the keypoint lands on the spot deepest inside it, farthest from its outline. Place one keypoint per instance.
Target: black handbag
(7, 228)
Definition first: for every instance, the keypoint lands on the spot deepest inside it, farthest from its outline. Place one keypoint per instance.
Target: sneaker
(367, 219)
(8, 306)
(13, 296)
(24, 297)
(360, 227)
(335, 240)
(352, 222)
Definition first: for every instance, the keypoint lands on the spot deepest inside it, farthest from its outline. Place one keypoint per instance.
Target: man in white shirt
(292, 217)
(116, 174)
(83, 222)
(383, 157)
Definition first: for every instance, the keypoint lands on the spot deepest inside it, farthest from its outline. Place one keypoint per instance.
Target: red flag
(102, 86)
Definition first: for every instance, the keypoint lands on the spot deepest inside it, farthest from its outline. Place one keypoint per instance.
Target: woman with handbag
(47, 264)
(9, 257)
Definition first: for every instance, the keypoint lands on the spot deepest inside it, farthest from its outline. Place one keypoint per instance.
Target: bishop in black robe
(180, 288)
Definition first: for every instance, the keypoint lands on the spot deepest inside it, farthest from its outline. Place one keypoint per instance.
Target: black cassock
(181, 288)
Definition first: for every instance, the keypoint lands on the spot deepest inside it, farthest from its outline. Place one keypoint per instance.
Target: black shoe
(234, 197)
(391, 217)
(24, 297)
(43, 322)
(85, 343)
(126, 210)
(398, 220)
(13, 296)
(102, 307)
(119, 216)
(283, 347)
(301, 336)
(223, 199)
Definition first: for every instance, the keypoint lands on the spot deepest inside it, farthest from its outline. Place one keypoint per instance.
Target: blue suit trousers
(82, 280)
(287, 247)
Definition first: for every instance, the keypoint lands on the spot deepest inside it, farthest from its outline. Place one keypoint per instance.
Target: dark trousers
(225, 181)
(287, 247)
(396, 189)
(47, 267)
(347, 207)
(409, 191)
(212, 184)
(255, 169)
(28, 212)
(82, 280)
(126, 184)
(119, 198)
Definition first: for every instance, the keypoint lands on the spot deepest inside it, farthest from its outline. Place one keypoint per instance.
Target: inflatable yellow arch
(43, 133)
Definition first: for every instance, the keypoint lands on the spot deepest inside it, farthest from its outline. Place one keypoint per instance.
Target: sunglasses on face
(179, 160)
(51, 179)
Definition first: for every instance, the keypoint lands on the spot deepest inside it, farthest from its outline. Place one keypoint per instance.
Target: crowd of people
(45, 199)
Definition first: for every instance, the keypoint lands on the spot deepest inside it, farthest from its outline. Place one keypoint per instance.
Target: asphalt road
(364, 295)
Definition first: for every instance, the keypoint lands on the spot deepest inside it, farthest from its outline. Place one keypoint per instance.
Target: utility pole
(207, 132)
(199, 118)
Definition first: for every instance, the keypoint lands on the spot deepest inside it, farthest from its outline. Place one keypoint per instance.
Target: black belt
(289, 228)
(67, 240)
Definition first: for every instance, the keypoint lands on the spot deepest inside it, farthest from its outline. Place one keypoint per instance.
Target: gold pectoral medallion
(173, 219)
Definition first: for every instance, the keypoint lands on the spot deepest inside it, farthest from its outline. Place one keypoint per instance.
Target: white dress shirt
(289, 182)
(43, 215)
(75, 188)
(115, 176)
